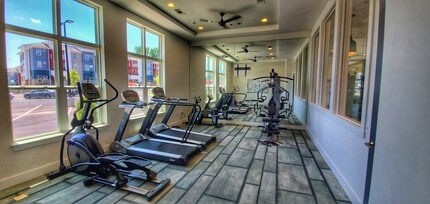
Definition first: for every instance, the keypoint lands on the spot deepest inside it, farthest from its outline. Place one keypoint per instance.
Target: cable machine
(278, 107)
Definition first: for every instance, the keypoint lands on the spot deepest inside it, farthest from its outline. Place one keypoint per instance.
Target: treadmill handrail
(196, 110)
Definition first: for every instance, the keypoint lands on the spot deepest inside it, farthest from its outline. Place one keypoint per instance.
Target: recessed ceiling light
(271, 53)
(171, 5)
(200, 27)
(269, 47)
(264, 20)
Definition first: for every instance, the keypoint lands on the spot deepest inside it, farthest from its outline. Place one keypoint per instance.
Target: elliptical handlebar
(92, 97)
(105, 101)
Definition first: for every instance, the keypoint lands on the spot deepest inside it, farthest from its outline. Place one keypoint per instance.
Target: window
(326, 82)
(305, 71)
(210, 85)
(144, 66)
(315, 65)
(35, 68)
(354, 57)
(222, 78)
(152, 45)
(298, 65)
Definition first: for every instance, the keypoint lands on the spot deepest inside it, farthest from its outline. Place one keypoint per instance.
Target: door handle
(370, 144)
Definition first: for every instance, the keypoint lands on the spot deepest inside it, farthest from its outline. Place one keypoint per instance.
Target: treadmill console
(131, 99)
(90, 91)
(130, 96)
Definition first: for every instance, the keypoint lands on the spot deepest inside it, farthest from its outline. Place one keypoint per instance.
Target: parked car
(40, 94)
(72, 92)
(11, 96)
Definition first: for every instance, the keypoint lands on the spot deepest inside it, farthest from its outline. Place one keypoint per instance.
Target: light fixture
(269, 47)
(171, 5)
(264, 20)
(352, 47)
(200, 27)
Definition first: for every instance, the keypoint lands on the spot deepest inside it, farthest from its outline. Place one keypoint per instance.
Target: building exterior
(37, 66)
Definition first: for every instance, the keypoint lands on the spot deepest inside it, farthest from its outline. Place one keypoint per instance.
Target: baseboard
(26, 176)
(339, 176)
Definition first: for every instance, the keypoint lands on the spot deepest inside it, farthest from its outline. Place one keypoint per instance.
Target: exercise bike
(86, 155)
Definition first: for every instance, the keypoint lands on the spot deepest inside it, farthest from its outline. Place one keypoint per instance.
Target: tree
(74, 77)
(152, 52)
(138, 50)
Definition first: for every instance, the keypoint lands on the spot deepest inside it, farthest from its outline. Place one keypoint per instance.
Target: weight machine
(278, 107)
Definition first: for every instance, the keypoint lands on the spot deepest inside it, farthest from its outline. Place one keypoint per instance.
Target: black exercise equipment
(275, 107)
(207, 112)
(163, 131)
(86, 155)
(142, 144)
(230, 103)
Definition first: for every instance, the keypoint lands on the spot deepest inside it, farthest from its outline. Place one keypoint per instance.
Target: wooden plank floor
(235, 169)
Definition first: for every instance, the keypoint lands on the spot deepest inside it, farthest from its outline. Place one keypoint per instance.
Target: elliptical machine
(86, 155)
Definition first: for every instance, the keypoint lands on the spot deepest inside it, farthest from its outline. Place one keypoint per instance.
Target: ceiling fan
(223, 22)
(254, 59)
(245, 50)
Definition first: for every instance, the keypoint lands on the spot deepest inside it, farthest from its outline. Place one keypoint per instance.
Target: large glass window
(144, 66)
(222, 77)
(326, 81)
(210, 76)
(314, 68)
(39, 58)
(30, 14)
(298, 74)
(152, 45)
(354, 68)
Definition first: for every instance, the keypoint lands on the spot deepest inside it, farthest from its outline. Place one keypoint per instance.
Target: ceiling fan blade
(206, 20)
(236, 17)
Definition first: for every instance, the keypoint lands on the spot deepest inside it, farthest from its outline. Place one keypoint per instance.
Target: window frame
(347, 8)
(145, 91)
(60, 89)
(323, 62)
(222, 75)
(214, 74)
(315, 66)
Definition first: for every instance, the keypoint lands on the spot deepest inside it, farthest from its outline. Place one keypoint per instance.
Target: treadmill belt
(163, 151)
(196, 137)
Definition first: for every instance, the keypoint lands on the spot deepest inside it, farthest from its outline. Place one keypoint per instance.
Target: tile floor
(236, 169)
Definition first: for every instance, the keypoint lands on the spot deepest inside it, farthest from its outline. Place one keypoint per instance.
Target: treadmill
(144, 146)
(162, 131)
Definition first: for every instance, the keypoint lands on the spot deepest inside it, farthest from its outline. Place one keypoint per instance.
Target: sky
(38, 15)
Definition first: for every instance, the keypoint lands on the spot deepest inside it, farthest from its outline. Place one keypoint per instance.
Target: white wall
(20, 166)
(401, 172)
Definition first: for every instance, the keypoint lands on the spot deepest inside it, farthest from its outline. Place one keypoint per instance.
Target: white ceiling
(289, 24)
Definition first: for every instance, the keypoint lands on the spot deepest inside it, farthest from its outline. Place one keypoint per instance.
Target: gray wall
(401, 171)
(342, 146)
